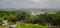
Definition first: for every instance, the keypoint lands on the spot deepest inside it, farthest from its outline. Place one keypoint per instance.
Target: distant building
(36, 12)
(40, 12)
(50, 12)
(32, 13)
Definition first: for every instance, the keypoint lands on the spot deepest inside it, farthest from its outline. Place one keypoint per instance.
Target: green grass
(24, 25)
(1, 26)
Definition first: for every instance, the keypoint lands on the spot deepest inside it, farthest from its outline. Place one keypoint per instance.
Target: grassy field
(26, 25)
(1, 26)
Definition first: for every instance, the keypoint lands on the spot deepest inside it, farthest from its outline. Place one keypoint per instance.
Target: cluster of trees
(53, 19)
(5, 15)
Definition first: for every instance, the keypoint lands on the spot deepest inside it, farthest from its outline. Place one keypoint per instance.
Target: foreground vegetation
(41, 19)
(26, 25)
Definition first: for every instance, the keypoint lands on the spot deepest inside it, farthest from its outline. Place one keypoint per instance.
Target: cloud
(35, 0)
(9, 1)
(29, 3)
(38, 1)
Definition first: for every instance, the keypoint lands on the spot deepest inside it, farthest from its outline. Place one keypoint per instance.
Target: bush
(0, 22)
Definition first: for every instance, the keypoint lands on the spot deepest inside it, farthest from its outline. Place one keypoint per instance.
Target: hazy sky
(30, 4)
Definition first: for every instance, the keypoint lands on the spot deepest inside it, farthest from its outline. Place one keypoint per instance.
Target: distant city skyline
(52, 4)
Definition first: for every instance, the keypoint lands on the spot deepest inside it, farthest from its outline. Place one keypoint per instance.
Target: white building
(36, 12)
(4, 23)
